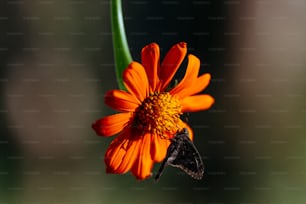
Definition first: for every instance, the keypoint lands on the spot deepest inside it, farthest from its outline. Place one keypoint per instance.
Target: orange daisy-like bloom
(149, 115)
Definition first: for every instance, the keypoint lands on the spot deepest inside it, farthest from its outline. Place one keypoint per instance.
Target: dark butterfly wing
(187, 157)
(183, 154)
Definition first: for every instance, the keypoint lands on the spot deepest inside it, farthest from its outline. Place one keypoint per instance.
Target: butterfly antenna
(160, 171)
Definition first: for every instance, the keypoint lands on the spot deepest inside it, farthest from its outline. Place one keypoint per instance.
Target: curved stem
(122, 53)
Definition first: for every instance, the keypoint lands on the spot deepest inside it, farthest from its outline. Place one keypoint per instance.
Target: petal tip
(207, 77)
(153, 45)
(96, 127)
(212, 100)
(150, 47)
(182, 44)
(109, 170)
(143, 177)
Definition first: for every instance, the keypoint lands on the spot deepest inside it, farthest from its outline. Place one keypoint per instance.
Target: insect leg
(161, 169)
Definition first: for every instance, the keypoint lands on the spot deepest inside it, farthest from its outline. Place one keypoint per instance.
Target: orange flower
(149, 115)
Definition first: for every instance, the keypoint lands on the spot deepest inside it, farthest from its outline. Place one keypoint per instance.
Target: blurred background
(56, 63)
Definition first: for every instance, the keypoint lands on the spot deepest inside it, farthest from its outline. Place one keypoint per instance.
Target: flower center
(158, 113)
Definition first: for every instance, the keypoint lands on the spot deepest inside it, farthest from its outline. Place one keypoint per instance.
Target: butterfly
(182, 154)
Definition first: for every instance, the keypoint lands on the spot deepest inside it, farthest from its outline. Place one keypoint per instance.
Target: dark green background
(56, 64)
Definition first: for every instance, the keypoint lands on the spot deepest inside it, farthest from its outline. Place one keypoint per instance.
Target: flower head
(149, 115)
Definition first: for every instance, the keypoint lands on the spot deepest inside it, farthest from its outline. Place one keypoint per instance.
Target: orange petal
(171, 63)
(136, 81)
(198, 85)
(150, 60)
(116, 152)
(121, 100)
(143, 166)
(159, 148)
(132, 153)
(196, 103)
(190, 75)
(111, 125)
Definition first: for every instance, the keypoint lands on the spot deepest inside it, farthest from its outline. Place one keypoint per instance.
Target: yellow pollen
(158, 113)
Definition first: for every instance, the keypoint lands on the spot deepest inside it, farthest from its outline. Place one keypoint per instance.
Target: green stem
(122, 53)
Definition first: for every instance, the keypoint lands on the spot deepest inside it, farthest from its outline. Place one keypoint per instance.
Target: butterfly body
(182, 154)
